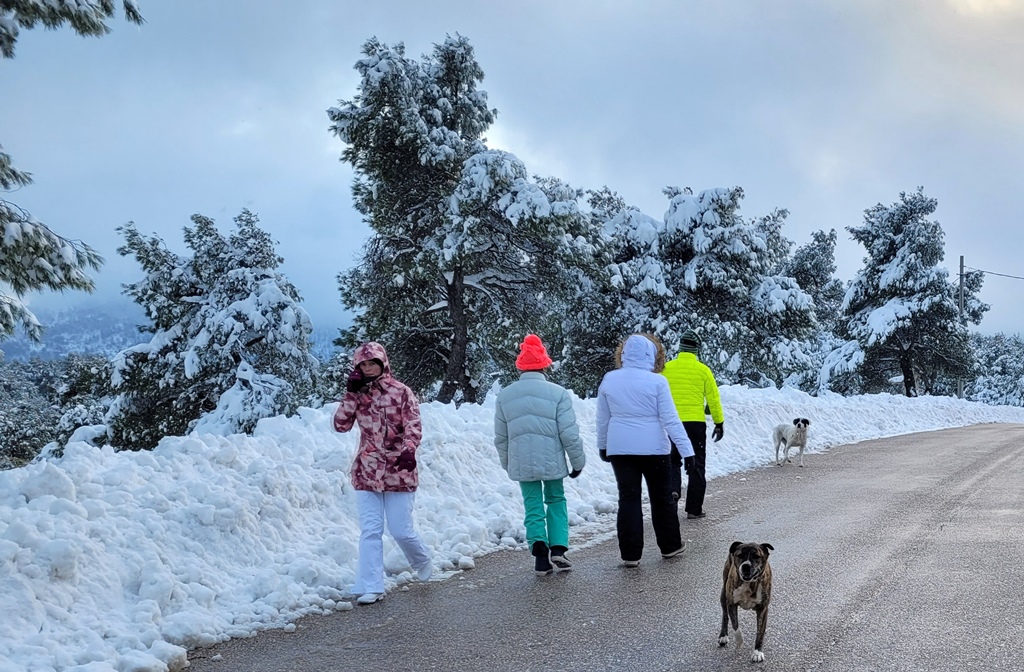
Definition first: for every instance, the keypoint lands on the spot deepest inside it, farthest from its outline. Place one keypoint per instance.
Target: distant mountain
(92, 330)
(106, 330)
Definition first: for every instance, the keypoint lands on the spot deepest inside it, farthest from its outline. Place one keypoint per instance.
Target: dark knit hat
(690, 342)
(532, 355)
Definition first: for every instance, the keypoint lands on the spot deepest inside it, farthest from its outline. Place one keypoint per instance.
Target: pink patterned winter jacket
(388, 415)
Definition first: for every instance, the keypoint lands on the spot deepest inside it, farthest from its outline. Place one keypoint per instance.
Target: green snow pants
(547, 516)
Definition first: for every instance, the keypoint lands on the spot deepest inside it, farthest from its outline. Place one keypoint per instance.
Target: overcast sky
(821, 107)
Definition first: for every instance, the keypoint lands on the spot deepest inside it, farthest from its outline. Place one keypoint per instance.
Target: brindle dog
(747, 583)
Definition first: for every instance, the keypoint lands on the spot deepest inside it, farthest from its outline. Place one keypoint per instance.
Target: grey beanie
(690, 342)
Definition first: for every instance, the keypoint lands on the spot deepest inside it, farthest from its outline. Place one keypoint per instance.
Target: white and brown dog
(790, 436)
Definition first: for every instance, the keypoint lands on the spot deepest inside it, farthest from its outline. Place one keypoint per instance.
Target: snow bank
(121, 561)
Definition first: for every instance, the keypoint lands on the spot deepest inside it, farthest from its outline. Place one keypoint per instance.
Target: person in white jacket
(635, 420)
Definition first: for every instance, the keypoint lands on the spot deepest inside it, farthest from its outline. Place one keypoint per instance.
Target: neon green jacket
(693, 385)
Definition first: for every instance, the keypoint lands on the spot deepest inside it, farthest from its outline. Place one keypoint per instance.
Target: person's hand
(604, 455)
(574, 473)
(406, 461)
(355, 382)
(689, 463)
(719, 431)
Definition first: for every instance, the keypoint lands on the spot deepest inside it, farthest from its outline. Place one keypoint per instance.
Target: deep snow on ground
(121, 561)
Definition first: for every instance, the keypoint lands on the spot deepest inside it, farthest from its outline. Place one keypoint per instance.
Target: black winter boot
(542, 566)
(559, 560)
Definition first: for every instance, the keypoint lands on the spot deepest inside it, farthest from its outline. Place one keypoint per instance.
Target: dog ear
(732, 549)
(807, 422)
(796, 421)
(767, 547)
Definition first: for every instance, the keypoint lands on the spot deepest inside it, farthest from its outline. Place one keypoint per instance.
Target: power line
(1002, 275)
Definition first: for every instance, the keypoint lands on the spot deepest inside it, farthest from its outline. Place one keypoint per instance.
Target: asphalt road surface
(897, 554)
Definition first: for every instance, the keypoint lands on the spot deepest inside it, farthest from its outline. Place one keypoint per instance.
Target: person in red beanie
(534, 431)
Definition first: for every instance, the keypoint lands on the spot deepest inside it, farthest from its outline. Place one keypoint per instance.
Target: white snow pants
(374, 507)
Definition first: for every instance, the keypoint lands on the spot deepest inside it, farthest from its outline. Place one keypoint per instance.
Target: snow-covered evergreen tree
(708, 269)
(813, 266)
(599, 313)
(468, 251)
(32, 256)
(223, 319)
(27, 412)
(901, 318)
(83, 394)
(330, 383)
(1000, 370)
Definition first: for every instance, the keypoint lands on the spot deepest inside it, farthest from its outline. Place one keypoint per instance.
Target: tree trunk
(456, 371)
(907, 367)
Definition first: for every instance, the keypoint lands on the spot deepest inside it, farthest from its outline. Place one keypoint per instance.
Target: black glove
(574, 473)
(689, 463)
(406, 461)
(604, 454)
(719, 431)
(355, 382)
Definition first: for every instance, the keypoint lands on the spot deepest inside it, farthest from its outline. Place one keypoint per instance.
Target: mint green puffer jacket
(535, 430)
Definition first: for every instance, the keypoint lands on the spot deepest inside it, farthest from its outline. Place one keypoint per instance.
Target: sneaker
(370, 598)
(678, 551)
(424, 573)
(630, 563)
(542, 565)
(691, 516)
(559, 560)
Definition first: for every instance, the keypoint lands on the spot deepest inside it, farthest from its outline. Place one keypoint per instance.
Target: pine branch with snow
(33, 257)
(86, 17)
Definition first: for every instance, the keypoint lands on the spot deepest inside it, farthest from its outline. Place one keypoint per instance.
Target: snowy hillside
(106, 329)
(120, 561)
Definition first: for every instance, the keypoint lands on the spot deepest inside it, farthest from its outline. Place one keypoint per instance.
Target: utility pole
(960, 381)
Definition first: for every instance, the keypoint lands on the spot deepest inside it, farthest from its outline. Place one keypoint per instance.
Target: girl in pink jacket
(384, 469)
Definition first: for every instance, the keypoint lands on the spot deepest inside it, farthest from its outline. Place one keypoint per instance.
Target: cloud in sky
(821, 107)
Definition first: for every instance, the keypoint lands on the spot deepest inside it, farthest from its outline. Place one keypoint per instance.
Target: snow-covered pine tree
(757, 326)
(467, 250)
(999, 374)
(600, 311)
(706, 268)
(27, 410)
(813, 266)
(83, 394)
(651, 298)
(901, 319)
(33, 257)
(408, 132)
(229, 337)
(520, 250)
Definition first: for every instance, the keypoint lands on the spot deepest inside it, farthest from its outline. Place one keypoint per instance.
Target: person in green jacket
(535, 432)
(693, 390)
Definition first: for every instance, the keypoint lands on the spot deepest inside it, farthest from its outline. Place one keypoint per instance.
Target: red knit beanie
(532, 355)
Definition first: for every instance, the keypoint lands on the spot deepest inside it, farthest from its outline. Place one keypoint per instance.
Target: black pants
(697, 483)
(630, 471)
